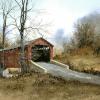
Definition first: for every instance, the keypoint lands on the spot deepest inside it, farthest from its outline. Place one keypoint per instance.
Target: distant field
(36, 86)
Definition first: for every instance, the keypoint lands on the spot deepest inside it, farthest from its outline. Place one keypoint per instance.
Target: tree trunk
(24, 67)
(3, 55)
(3, 40)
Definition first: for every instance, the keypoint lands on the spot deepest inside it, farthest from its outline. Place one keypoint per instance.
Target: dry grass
(38, 86)
(85, 63)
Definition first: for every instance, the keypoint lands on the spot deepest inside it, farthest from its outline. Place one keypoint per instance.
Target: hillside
(83, 63)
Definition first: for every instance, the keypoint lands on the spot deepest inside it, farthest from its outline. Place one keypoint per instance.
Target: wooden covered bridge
(36, 50)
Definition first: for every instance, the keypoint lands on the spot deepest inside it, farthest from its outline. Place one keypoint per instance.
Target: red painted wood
(12, 57)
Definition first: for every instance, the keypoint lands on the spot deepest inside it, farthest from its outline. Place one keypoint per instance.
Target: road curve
(68, 74)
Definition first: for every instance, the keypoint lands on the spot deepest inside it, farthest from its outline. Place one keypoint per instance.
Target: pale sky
(64, 13)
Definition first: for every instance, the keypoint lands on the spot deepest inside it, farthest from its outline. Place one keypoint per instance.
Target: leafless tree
(24, 30)
(84, 34)
(23, 6)
(6, 9)
(7, 43)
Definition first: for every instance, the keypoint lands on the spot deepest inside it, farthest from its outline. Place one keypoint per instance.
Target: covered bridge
(36, 50)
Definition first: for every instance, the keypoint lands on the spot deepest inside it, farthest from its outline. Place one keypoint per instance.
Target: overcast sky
(64, 13)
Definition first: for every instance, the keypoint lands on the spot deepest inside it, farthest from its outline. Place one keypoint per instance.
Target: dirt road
(69, 74)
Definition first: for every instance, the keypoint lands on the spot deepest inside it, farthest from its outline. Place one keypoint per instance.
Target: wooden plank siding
(12, 56)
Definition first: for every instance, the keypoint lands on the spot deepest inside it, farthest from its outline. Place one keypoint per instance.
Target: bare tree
(6, 9)
(84, 34)
(23, 6)
(7, 43)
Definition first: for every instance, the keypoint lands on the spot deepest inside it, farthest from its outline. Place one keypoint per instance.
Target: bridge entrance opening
(41, 53)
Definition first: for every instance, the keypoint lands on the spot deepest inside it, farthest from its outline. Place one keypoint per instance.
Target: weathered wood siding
(12, 56)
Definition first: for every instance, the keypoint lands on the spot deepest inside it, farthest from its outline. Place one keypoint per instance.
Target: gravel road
(68, 74)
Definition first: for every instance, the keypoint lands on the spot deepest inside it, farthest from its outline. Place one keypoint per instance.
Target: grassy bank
(36, 86)
(84, 63)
